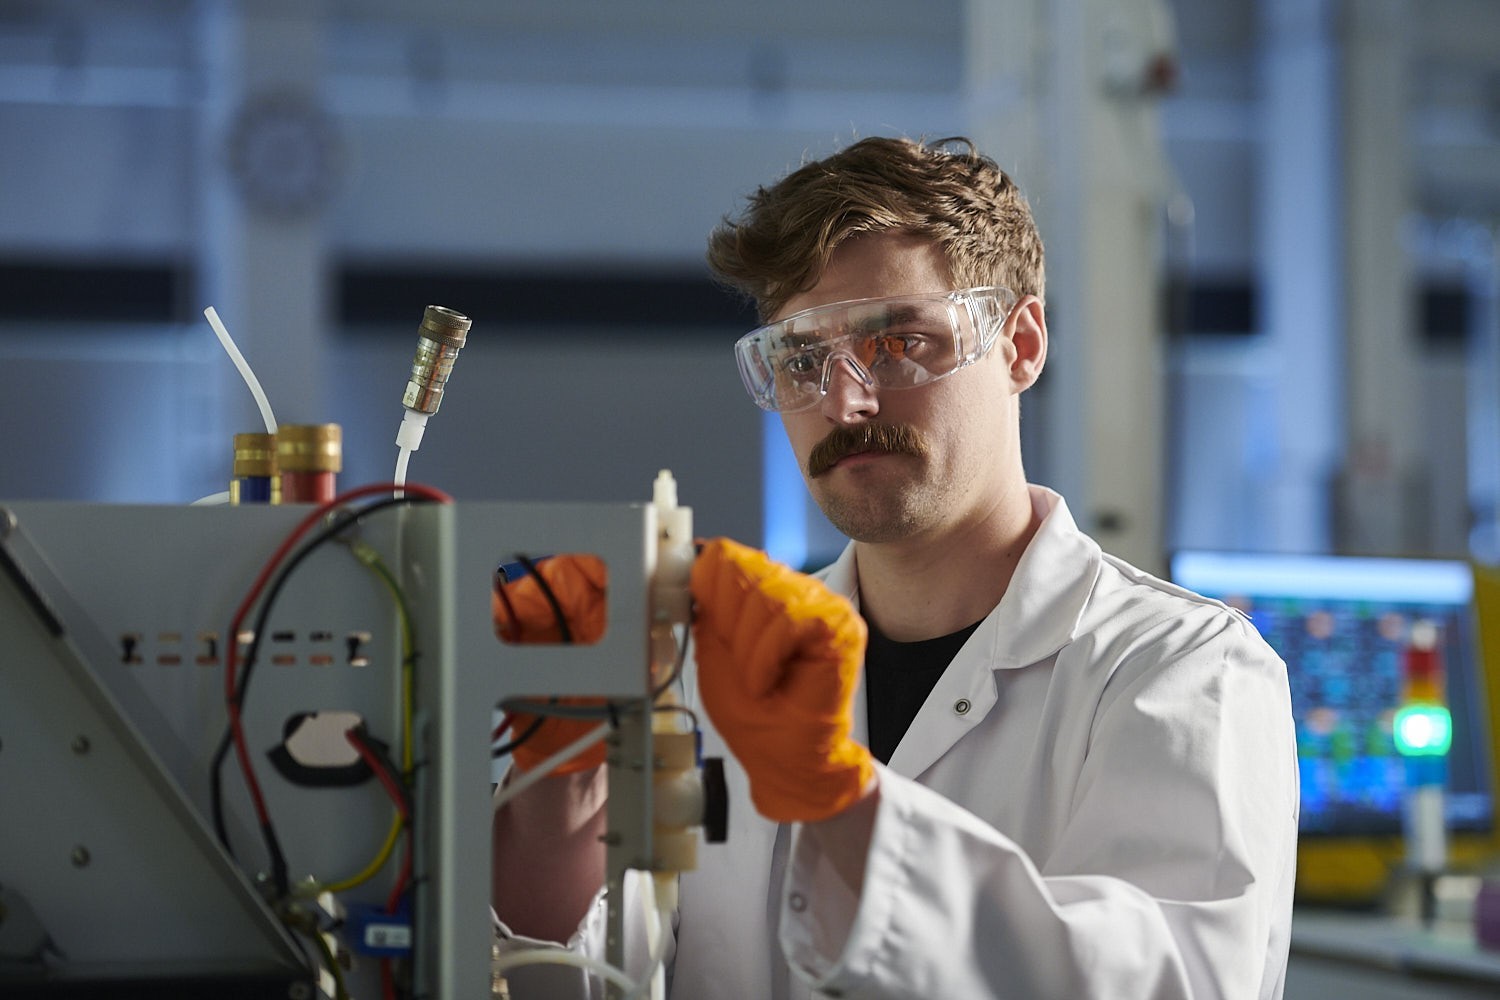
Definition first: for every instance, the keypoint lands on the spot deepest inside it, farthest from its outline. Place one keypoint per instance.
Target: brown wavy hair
(944, 190)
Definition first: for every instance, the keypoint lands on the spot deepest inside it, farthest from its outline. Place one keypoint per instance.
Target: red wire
(232, 640)
(387, 780)
(397, 794)
(397, 890)
(500, 729)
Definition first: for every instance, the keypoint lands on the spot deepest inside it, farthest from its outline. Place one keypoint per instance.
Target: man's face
(896, 464)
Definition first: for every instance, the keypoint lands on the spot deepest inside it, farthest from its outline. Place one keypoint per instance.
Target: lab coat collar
(1037, 616)
(1041, 608)
(1044, 603)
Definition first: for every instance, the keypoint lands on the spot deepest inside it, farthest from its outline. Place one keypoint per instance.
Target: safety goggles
(897, 342)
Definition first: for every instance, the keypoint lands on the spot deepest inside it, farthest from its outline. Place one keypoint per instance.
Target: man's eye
(802, 364)
(901, 345)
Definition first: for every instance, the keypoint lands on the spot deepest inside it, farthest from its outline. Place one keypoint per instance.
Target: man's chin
(866, 519)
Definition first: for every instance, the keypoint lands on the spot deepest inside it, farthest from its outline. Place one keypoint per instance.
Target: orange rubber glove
(522, 614)
(779, 657)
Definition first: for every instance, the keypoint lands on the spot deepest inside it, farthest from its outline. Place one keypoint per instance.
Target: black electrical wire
(671, 678)
(397, 785)
(552, 708)
(216, 790)
(563, 629)
(505, 748)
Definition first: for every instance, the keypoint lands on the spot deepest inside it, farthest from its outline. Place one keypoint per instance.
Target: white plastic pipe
(244, 368)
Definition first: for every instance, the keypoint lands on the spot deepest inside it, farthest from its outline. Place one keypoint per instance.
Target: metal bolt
(961, 706)
(81, 744)
(80, 857)
(8, 522)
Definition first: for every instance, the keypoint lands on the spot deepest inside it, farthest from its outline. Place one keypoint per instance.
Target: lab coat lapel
(1037, 616)
(840, 577)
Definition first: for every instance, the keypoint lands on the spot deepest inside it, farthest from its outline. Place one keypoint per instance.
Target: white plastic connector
(664, 491)
(408, 440)
(672, 602)
(409, 434)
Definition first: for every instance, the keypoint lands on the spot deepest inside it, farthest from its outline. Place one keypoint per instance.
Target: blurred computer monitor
(1341, 624)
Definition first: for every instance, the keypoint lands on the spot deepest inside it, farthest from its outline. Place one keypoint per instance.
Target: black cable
(563, 630)
(340, 523)
(671, 678)
(505, 748)
(553, 709)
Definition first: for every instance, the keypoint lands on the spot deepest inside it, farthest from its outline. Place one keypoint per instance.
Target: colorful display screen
(1341, 624)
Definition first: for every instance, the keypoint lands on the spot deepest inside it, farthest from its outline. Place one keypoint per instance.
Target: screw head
(81, 857)
(81, 744)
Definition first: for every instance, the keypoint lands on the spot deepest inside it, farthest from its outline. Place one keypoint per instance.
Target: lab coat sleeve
(551, 979)
(1171, 879)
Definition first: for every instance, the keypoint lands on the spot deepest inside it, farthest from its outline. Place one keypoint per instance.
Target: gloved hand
(779, 657)
(523, 614)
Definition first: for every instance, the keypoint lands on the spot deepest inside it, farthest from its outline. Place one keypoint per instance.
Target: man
(1086, 778)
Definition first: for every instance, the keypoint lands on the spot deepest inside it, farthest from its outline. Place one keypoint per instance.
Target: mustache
(842, 442)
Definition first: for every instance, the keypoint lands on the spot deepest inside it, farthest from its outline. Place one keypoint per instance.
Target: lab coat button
(961, 706)
(797, 902)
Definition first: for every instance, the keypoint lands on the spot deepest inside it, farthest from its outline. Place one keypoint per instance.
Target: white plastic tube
(403, 457)
(244, 368)
(550, 956)
(212, 500)
(525, 779)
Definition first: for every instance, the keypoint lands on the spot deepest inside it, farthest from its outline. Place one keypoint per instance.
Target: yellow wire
(367, 555)
(373, 868)
(341, 991)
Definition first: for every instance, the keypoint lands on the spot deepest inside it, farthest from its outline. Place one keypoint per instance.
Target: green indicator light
(1423, 731)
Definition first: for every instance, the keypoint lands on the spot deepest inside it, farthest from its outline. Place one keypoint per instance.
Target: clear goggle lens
(897, 342)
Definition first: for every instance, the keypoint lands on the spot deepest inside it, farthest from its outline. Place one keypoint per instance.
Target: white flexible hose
(549, 956)
(212, 500)
(525, 779)
(403, 456)
(653, 980)
(244, 368)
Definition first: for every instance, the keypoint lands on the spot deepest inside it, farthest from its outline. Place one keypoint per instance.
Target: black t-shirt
(898, 678)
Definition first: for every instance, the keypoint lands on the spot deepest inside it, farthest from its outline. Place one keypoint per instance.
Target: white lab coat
(1098, 799)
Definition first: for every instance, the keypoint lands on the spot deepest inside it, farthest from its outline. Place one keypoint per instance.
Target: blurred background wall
(1271, 228)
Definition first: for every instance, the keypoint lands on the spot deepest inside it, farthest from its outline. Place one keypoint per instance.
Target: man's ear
(1028, 337)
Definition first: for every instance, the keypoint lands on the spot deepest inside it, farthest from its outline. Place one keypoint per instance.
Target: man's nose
(848, 388)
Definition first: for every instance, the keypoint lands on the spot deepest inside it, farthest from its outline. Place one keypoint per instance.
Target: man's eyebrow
(799, 339)
(898, 315)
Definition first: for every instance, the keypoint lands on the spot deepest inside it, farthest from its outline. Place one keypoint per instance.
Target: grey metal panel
(97, 837)
(169, 577)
